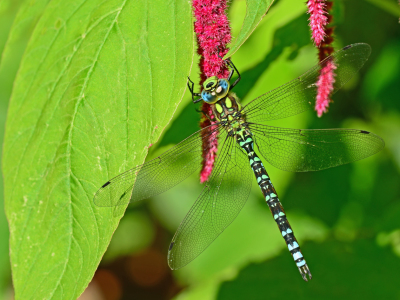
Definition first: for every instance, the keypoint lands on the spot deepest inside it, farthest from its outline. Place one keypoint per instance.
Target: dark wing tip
(355, 45)
(107, 183)
(122, 196)
(366, 49)
(170, 246)
(377, 140)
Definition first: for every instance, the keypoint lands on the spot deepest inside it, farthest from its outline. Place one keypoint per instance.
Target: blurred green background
(347, 219)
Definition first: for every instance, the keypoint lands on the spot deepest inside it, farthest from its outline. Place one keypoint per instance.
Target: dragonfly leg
(230, 75)
(246, 142)
(190, 85)
(230, 63)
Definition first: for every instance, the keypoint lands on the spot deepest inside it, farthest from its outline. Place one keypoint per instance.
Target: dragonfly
(242, 134)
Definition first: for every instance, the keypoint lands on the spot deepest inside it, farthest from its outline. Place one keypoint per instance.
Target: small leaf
(98, 83)
(255, 12)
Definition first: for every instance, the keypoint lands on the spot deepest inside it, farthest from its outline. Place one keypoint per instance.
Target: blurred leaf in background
(348, 276)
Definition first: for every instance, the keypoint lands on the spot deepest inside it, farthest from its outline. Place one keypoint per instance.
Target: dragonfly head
(214, 89)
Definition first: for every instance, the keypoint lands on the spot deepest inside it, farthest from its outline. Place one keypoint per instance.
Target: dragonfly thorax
(227, 111)
(214, 89)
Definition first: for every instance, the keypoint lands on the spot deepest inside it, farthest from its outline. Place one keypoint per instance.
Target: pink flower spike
(325, 87)
(213, 34)
(209, 158)
(318, 20)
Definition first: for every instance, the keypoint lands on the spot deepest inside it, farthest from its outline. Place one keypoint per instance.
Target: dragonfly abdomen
(246, 143)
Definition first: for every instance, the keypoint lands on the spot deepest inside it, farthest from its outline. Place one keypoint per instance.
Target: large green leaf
(98, 83)
(255, 12)
(21, 16)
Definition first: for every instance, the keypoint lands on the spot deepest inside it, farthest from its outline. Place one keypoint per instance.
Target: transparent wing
(299, 94)
(158, 175)
(217, 206)
(301, 150)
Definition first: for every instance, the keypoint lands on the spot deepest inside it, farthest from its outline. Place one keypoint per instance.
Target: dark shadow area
(339, 271)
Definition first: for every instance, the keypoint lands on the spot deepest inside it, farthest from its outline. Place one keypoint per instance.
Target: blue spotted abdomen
(246, 142)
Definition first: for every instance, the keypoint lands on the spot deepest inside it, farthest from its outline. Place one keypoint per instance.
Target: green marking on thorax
(235, 125)
(228, 102)
(219, 108)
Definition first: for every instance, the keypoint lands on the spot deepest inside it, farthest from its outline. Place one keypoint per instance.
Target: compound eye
(209, 97)
(223, 88)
